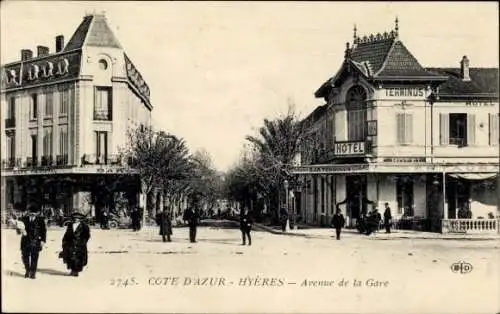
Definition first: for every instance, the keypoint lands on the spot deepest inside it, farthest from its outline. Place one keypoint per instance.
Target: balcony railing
(62, 160)
(10, 123)
(103, 115)
(459, 141)
(92, 159)
(470, 226)
(11, 163)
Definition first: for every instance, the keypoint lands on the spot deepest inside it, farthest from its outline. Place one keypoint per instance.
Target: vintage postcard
(249, 157)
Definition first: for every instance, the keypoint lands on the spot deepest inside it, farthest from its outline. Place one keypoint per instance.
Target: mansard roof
(93, 31)
(381, 57)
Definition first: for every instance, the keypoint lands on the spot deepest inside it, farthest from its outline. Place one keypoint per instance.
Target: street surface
(136, 272)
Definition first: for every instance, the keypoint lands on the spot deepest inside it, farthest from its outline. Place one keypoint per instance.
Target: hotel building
(424, 140)
(64, 118)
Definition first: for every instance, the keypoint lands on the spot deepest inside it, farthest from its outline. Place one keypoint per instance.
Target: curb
(380, 238)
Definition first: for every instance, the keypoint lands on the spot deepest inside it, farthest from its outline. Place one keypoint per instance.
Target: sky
(217, 69)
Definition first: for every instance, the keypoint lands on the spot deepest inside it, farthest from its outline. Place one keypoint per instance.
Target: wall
(481, 151)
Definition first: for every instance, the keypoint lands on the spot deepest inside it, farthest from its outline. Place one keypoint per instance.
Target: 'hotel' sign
(349, 148)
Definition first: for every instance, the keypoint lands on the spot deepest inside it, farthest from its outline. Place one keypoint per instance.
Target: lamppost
(285, 184)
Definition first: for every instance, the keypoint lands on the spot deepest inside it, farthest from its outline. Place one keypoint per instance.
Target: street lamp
(285, 184)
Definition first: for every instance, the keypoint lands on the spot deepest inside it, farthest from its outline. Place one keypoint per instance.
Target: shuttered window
(471, 129)
(49, 104)
(494, 125)
(47, 141)
(404, 125)
(444, 129)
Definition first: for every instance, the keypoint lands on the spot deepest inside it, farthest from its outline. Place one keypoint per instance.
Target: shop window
(404, 195)
(103, 104)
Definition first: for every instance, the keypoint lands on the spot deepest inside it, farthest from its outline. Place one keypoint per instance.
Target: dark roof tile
(374, 52)
(482, 81)
(93, 31)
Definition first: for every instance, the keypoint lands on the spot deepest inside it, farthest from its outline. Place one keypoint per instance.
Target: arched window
(356, 113)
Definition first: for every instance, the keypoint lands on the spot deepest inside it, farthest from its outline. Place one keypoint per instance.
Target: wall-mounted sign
(371, 128)
(404, 159)
(404, 92)
(349, 148)
(329, 169)
(479, 104)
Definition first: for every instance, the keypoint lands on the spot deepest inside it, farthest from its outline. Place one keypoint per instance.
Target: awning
(474, 176)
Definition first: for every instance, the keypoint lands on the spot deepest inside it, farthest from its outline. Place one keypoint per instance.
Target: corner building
(424, 140)
(65, 117)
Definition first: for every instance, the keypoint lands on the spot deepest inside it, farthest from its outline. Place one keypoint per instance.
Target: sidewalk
(327, 233)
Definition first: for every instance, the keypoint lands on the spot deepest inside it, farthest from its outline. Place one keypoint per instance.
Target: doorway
(356, 196)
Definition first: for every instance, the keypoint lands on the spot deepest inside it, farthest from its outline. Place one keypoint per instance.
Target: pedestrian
(387, 218)
(338, 222)
(246, 226)
(373, 221)
(283, 218)
(105, 219)
(191, 217)
(136, 219)
(74, 244)
(34, 235)
(60, 217)
(164, 220)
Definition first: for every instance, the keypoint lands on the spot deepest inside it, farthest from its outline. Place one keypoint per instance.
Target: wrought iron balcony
(11, 163)
(103, 115)
(47, 161)
(62, 160)
(93, 159)
(10, 123)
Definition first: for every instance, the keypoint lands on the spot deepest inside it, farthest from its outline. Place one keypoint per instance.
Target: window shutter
(408, 128)
(471, 129)
(493, 123)
(444, 128)
(400, 128)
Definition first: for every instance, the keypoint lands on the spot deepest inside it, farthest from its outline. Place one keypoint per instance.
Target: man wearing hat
(34, 236)
(74, 244)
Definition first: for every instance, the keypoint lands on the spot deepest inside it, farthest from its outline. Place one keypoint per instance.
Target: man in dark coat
(191, 217)
(387, 218)
(283, 218)
(135, 216)
(373, 221)
(34, 236)
(338, 222)
(246, 226)
(163, 219)
(74, 244)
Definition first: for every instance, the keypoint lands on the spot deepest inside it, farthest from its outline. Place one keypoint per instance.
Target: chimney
(464, 69)
(42, 51)
(26, 54)
(59, 43)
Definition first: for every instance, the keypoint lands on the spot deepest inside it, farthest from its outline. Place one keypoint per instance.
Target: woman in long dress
(74, 244)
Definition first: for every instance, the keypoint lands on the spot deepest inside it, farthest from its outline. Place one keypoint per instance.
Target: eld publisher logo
(461, 267)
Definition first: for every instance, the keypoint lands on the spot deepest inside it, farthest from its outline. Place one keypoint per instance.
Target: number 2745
(123, 282)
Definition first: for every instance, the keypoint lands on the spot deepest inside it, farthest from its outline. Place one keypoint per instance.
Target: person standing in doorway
(338, 222)
(34, 235)
(246, 226)
(74, 244)
(387, 218)
(191, 217)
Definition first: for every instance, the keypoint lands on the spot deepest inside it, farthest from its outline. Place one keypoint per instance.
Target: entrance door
(356, 195)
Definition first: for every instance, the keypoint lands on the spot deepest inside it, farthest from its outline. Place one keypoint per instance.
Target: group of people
(33, 230)
(164, 221)
(368, 224)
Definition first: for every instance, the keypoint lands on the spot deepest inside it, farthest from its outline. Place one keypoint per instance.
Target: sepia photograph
(249, 157)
